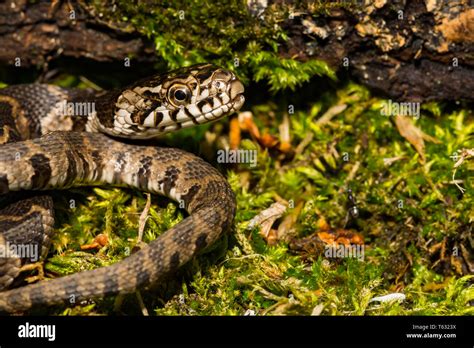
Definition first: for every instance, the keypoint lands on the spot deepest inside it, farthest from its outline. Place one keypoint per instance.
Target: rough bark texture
(39, 32)
(412, 50)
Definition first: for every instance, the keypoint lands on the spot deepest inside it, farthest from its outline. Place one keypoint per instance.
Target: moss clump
(186, 32)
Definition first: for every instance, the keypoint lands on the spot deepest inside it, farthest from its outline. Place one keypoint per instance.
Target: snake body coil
(76, 154)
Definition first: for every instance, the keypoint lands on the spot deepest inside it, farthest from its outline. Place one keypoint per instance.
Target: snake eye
(179, 95)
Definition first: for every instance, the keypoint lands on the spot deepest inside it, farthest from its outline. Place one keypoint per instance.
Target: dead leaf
(266, 218)
(234, 134)
(247, 124)
(414, 135)
(389, 161)
(268, 140)
(272, 237)
(285, 147)
(317, 310)
(285, 136)
(330, 113)
(100, 241)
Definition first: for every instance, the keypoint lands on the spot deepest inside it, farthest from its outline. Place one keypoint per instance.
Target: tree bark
(411, 50)
(32, 34)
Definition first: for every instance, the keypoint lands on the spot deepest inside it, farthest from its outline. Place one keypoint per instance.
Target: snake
(56, 138)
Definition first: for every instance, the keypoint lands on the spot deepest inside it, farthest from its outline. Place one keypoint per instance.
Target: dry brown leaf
(266, 218)
(268, 140)
(234, 134)
(330, 113)
(100, 241)
(285, 147)
(285, 136)
(247, 124)
(327, 237)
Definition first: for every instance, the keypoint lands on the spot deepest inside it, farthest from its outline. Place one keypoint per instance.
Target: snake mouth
(215, 114)
(237, 99)
(210, 116)
(236, 89)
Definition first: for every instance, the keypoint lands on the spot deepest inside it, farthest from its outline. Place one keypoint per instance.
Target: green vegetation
(187, 32)
(248, 274)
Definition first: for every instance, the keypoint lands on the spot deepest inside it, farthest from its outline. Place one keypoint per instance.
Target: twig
(143, 218)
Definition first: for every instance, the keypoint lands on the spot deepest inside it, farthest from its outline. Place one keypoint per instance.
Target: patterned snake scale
(49, 144)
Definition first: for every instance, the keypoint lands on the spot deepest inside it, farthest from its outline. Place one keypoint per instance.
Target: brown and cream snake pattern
(55, 138)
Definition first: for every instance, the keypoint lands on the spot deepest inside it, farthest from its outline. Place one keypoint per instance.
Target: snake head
(179, 99)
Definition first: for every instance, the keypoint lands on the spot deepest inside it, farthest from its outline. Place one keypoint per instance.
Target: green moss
(250, 275)
(186, 32)
(270, 280)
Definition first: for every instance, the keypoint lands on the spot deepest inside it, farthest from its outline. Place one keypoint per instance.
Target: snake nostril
(236, 88)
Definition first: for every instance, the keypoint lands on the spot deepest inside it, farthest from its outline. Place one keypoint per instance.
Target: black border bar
(287, 331)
